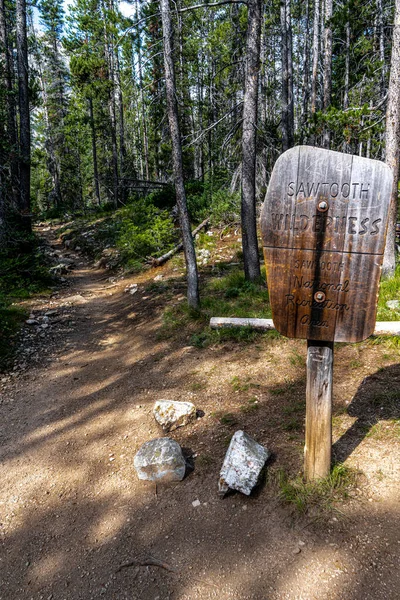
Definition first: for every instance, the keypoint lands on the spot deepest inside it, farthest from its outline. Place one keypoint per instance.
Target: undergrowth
(137, 231)
(23, 273)
(228, 295)
(321, 494)
(389, 290)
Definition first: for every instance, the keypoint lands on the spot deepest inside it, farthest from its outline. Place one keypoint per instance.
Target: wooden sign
(323, 226)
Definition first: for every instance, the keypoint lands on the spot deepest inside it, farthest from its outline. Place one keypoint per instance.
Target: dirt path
(72, 510)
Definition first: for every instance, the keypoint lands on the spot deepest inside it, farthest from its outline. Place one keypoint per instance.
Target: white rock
(393, 304)
(158, 278)
(160, 459)
(242, 464)
(171, 415)
(196, 503)
(132, 288)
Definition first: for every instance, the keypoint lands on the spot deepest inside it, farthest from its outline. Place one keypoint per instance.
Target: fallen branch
(150, 561)
(147, 562)
(157, 262)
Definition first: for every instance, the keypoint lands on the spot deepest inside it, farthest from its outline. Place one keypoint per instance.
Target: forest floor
(78, 406)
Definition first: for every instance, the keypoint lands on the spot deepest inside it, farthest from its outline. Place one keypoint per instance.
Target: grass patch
(384, 430)
(227, 295)
(322, 494)
(293, 425)
(389, 290)
(251, 406)
(238, 386)
(225, 418)
(292, 409)
(390, 341)
(296, 359)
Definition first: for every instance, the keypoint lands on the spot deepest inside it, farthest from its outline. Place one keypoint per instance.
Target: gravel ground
(78, 406)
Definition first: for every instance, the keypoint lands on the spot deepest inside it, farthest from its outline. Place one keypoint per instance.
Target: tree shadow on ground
(74, 511)
(377, 399)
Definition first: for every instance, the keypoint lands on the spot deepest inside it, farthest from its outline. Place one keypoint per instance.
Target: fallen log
(157, 262)
(381, 327)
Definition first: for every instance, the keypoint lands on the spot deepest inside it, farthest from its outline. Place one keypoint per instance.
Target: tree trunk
(172, 108)
(285, 79)
(289, 59)
(249, 138)
(381, 37)
(122, 145)
(327, 68)
(306, 90)
(392, 143)
(94, 151)
(24, 118)
(315, 53)
(11, 112)
(347, 69)
(142, 105)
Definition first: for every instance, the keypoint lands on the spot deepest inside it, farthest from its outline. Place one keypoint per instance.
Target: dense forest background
(84, 116)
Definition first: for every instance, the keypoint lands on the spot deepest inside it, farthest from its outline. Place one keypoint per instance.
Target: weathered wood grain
(323, 227)
(318, 446)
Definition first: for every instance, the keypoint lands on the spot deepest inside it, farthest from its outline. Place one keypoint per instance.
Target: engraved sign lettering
(323, 227)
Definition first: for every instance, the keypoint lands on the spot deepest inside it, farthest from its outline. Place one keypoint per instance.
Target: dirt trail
(72, 510)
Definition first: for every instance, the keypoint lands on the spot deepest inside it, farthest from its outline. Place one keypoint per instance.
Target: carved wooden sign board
(323, 226)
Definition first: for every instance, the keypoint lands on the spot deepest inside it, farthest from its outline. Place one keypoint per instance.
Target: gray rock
(171, 415)
(393, 304)
(242, 464)
(132, 288)
(160, 459)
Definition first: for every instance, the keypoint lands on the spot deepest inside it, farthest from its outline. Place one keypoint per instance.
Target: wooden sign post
(323, 227)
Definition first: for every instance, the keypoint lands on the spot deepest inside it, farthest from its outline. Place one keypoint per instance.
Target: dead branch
(150, 561)
(157, 262)
(211, 5)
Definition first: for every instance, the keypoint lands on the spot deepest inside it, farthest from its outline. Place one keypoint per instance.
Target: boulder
(242, 464)
(171, 415)
(160, 460)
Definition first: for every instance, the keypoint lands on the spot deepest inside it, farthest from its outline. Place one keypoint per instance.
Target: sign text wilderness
(323, 226)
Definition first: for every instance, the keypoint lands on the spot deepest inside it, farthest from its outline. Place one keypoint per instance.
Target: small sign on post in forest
(323, 227)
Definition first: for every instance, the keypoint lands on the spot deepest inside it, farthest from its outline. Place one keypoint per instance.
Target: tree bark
(94, 151)
(249, 139)
(172, 108)
(24, 118)
(142, 104)
(306, 81)
(347, 68)
(315, 54)
(11, 112)
(289, 59)
(392, 143)
(327, 68)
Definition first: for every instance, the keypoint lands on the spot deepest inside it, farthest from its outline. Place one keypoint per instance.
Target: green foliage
(229, 295)
(251, 406)
(321, 494)
(23, 272)
(225, 207)
(144, 231)
(389, 290)
(137, 231)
